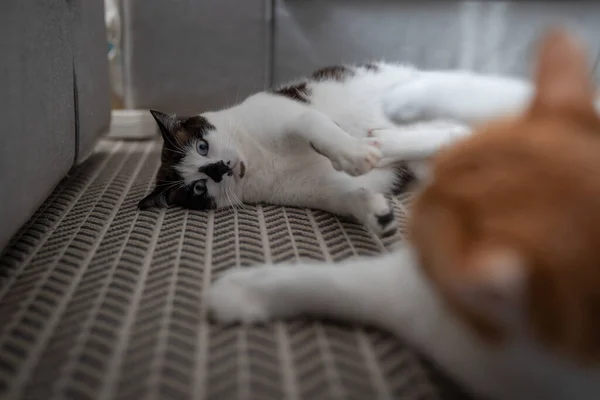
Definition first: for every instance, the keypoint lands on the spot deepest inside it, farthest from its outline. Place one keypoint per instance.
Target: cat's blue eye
(200, 187)
(202, 147)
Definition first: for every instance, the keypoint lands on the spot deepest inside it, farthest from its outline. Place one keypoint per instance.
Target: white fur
(276, 138)
(389, 291)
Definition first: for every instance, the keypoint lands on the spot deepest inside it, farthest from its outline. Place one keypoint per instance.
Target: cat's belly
(286, 179)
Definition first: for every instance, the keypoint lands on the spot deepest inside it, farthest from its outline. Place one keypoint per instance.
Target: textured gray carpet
(100, 301)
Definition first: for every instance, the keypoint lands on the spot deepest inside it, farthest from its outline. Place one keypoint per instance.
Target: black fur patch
(334, 73)
(298, 92)
(404, 178)
(385, 219)
(371, 67)
(196, 126)
(184, 197)
(339, 73)
(215, 171)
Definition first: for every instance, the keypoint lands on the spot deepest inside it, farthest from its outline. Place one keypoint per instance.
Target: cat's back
(351, 95)
(361, 80)
(344, 89)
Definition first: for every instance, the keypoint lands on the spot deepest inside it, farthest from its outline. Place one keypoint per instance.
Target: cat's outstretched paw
(379, 215)
(244, 295)
(357, 158)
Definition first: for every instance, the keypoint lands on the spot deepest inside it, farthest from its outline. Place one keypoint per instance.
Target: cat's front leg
(417, 142)
(462, 96)
(388, 292)
(362, 290)
(346, 153)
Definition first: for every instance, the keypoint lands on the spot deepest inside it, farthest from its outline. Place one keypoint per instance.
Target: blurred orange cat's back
(509, 228)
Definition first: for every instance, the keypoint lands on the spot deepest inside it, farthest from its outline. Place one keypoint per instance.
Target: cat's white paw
(246, 295)
(379, 215)
(236, 297)
(357, 157)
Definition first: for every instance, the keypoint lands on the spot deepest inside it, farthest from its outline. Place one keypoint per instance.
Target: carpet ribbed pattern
(101, 301)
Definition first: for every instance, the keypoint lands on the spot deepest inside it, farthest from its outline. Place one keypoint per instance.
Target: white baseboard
(132, 124)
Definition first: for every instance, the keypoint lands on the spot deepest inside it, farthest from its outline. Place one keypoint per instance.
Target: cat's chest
(284, 173)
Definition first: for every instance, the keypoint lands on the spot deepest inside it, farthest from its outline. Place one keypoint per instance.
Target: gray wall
(492, 36)
(188, 56)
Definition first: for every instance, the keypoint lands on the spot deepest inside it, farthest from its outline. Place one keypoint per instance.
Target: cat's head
(200, 166)
(509, 228)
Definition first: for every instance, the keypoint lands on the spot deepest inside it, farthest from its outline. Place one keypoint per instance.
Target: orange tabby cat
(507, 230)
(515, 210)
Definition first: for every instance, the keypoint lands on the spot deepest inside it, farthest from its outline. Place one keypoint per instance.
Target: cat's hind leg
(340, 194)
(369, 208)
(461, 96)
(348, 154)
(373, 210)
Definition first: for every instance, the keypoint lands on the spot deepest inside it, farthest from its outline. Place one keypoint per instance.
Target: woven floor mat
(100, 301)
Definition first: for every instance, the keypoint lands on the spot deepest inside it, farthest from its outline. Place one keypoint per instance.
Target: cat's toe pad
(359, 158)
(239, 296)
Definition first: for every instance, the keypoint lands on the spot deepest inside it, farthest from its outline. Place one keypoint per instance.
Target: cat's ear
(493, 283)
(168, 124)
(563, 76)
(158, 198)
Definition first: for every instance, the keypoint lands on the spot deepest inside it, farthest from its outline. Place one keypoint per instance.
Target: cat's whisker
(237, 199)
(229, 199)
(228, 187)
(224, 193)
(242, 205)
(171, 185)
(225, 190)
(174, 151)
(231, 204)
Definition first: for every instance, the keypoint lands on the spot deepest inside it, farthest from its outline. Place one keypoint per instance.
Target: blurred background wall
(191, 55)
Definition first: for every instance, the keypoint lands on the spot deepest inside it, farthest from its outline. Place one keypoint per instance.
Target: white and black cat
(317, 143)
